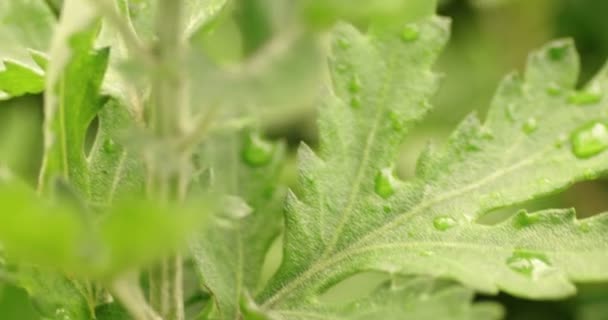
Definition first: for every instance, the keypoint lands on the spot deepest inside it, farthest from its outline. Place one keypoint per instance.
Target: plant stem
(127, 290)
(166, 119)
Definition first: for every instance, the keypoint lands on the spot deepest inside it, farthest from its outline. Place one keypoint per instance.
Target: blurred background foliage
(489, 39)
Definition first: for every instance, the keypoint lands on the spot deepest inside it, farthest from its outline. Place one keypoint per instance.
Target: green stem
(166, 119)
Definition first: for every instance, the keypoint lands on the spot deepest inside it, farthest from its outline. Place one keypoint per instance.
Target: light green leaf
(17, 79)
(126, 236)
(326, 12)
(54, 295)
(114, 170)
(197, 14)
(354, 215)
(416, 298)
(24, 25)
(230, 251)
(71, 103)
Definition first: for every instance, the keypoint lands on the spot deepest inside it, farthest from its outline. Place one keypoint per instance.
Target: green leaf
(197, 14)
(54, 295)
(125, 237)
(17, 79)
(231, 251)
(326, 12)
(416, 298)
(71, 103)
(25, 25)
(115, 171)
(354, 215)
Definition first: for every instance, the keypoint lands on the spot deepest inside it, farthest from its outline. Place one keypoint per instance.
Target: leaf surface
(354, 215)
(231, 251)
(25, 25)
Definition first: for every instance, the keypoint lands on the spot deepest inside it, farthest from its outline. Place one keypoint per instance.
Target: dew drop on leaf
(387, 209)
(530, 126)
(581, 98)
(557, 52)
(584, 227)
(355, 102)
(590, 140)
(341, 67)
(396, 121)
(385, 183)
(533, 265)
(109, 146)
(256, 151)
(235, 208)
(444, 223)
(62, 314)
(410, 33)
(554, 90)
(561, 140)
(355, 84)
(510, 111)
(343, 43)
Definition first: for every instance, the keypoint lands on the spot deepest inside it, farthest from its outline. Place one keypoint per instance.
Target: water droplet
(444, 223)
(584, 227)
(355, 84)
(587, 97)
(385, 183)
(342, 67)
(256, 151)
(486, 133)
(590, 140)
(510, 112)
(561, 140)
(524, 219)
(426, 253)
(235, 207)
(557, 52)
(410, 33)
(355, 102)
(109, 146)
(530, 264)
(62, 314)
(530, 125)
(590, 174)
(343, 43)
(396, 121)
(554, 89)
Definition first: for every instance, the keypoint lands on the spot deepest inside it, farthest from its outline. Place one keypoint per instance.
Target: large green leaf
(353, 215)
(231, 251)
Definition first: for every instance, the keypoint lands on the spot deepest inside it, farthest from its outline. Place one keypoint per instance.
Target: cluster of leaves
(79, 243)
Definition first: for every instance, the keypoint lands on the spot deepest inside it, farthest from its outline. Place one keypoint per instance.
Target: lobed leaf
(353, 214)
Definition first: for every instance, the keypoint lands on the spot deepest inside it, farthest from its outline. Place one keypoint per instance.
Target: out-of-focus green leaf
(197, 15)
(24, 25)
(326, 12)
(58, 235)
(230, 252)
(263, 86)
